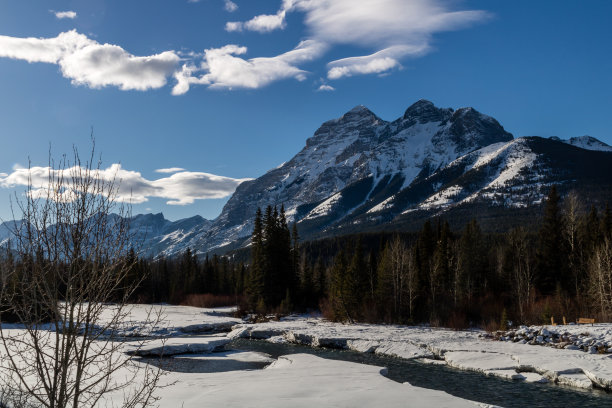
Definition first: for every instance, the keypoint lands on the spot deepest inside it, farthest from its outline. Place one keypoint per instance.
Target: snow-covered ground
(197, 335)
(300, 380)
(467, 350)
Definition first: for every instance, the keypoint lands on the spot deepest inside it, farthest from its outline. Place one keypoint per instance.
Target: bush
(210, 300)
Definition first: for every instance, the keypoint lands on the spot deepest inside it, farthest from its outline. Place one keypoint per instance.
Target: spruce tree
(552, 255)
(255, 285)
(471, 261)
(338, 293)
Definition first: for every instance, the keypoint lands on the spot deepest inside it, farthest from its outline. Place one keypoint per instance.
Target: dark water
(214, 363)
(464, 384)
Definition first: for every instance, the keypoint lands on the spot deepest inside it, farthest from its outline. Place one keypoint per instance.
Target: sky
(186, 99)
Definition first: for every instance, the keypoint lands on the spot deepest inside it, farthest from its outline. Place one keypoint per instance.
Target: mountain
(360, 172)
(157, 236)
(152, 234)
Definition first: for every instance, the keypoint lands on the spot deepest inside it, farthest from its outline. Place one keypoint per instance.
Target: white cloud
(387, 30)
(378, 25)
(377, 63)
(65, 14)
(263, 23)
(170, 170)
(181, 188)
(233, 26)
(230, 6)
(326, 88)
(224, 68)
(87, 62)
(381, 22)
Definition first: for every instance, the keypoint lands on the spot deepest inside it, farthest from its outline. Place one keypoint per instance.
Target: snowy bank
(466, 350)
(301, 380)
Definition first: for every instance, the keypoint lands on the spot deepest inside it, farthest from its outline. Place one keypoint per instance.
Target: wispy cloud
(225, 68)
(398, 27)
(170, 170)
(230, 6)
(377, 63)
(326, 88)
(181, 188)
(387, 32)
(87, 62)
(64, 14)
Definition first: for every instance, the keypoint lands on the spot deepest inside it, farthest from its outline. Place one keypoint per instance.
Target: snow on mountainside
(360, 172)
(352, 160)
(589, 143)
(151, 234)
(157, 236)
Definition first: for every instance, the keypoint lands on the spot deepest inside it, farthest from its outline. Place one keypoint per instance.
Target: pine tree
(255, 285)
(320, 279)
(552, 255)
(356, 281)
(471, 261)
(338, 292)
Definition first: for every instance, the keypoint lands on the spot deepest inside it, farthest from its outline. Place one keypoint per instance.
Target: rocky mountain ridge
(359, 172)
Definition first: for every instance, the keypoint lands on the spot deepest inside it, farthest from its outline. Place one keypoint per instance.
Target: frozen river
(468, 385)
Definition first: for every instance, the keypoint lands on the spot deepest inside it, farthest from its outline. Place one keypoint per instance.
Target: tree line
(559, 268)
(563, 268)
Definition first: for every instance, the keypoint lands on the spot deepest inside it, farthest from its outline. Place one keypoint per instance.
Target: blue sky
(170, 84)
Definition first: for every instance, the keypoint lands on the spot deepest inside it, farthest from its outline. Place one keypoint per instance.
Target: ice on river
(301, 380)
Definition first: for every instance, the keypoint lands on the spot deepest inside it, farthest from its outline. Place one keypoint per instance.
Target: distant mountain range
(361, 173)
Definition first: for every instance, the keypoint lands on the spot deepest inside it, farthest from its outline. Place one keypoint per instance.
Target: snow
(174, 320)
(324, 208)
(588, 143)
(304, 380)
(178, 345)
(466, 350)
(442, 198)
(296, 380)
(383, 205)
(300, 380)
(513, 157)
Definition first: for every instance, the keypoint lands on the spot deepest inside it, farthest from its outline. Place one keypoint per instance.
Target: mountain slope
(354, 159)
(359, 173)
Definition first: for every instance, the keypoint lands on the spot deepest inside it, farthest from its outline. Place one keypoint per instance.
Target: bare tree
(399, 272)
(572, 212)
(522, 272)
(600, 274)
(67, 286)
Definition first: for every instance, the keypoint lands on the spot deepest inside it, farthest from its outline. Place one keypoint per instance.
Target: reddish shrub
(210, 300)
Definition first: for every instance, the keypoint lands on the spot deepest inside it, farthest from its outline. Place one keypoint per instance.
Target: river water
(469, 385)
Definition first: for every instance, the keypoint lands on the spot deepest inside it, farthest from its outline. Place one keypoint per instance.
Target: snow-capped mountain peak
(350, 160)
(360, 172)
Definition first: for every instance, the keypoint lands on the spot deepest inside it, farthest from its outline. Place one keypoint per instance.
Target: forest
(561, 268)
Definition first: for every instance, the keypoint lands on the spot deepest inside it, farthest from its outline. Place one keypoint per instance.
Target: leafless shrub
(67, 287)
